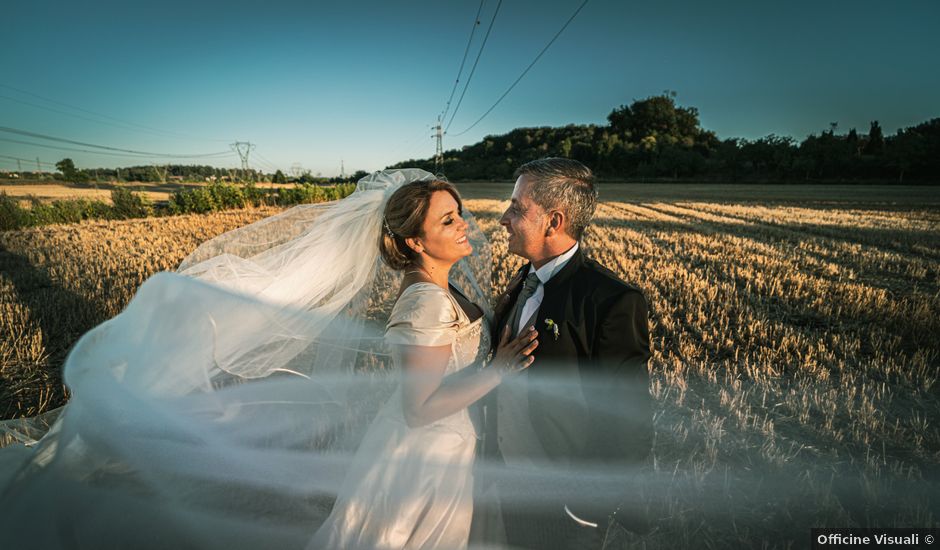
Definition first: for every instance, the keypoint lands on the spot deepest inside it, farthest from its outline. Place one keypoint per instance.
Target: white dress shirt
(544, 273)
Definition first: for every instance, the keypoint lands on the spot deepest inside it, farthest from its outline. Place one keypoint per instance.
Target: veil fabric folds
(220, 408)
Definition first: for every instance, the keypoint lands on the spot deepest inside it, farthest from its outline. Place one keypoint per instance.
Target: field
(795, 334)
(50, 191)
(823, 194)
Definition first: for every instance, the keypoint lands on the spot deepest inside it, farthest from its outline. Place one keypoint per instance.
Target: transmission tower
(243, 148)
(439, 150)
(161, 173)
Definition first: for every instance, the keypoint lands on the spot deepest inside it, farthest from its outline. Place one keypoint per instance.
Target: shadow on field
(916, 333)
(31, 381)
(914, 244)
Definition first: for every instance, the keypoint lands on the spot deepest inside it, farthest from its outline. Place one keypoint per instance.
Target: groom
(584, 405)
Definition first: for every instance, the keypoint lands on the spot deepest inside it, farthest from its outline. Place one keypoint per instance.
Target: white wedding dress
(412, 488)
(222, 407)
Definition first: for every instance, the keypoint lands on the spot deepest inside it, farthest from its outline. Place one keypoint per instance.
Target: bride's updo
(404, 217)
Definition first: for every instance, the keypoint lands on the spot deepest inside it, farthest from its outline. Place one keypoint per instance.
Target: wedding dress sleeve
(423, 316)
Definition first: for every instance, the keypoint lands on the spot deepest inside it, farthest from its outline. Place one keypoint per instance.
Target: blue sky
(317, 83)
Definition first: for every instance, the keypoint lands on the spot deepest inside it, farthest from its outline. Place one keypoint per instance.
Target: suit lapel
(556, 305)
(556, 294)
(562, 278)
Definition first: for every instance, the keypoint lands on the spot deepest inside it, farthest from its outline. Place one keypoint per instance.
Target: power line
(128, 123)
(26, 160)
(550, 42)
(475, 61)
(476, 23)
(121, 126)
(268, 167)
(104, 147)
(106, 153)
(263, 165)
(267, 162)
(63, 112)
(408, 145)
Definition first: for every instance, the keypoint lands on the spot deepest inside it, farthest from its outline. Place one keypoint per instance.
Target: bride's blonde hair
(404, 216)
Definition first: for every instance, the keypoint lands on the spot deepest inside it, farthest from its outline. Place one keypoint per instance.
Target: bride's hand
(514, 355)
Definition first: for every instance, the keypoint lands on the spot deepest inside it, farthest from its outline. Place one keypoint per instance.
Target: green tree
(905, 151)
(358, 175)
(279, 177)
(67, 167)
(768, 157)
(876, 140)
(658, 117)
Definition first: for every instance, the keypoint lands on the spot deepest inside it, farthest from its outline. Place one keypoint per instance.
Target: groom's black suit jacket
(602, 349)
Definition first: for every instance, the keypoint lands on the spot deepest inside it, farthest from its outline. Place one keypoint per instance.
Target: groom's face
(525, 221)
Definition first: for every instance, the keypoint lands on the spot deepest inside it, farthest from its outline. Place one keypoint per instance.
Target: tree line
(128, 204)
(67, 171)
(656, 139)
(651, 139)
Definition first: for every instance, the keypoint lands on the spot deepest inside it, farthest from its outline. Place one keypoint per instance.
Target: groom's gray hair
(563, 184)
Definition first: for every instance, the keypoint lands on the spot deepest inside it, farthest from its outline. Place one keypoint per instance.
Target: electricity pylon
(243, 148)
(439, 149)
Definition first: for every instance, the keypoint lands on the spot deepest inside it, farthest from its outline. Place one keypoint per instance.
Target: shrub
(60, 211)
(197, 201)
(128, 204)
(217, 196)
(98, 210)
(253, 194)
(226, 196)
(12, 215)
(300, 194)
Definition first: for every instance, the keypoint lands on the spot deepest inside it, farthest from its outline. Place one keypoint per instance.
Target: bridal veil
(221, 407)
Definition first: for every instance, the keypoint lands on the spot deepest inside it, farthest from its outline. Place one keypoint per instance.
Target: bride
(419, 495)
(215, 409)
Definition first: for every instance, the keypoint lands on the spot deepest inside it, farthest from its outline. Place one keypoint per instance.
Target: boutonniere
(552, 327)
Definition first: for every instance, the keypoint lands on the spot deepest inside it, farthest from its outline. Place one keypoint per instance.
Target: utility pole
(439, 150)
(38, 168)
(18, 167)
(161, 173)
(243, 148)
(342, 170)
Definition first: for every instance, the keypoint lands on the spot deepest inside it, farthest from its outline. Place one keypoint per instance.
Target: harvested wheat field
(796, 349)
(50, 191)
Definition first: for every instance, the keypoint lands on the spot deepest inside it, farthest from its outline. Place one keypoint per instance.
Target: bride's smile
(445, 230)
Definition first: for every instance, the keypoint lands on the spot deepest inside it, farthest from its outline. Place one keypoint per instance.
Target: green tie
(528, 289)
